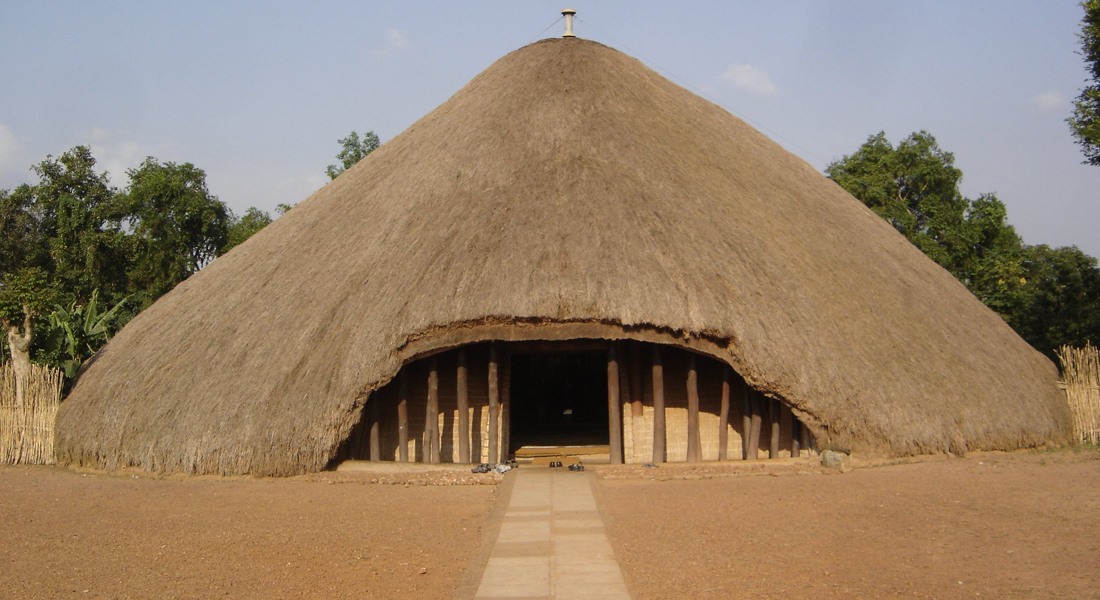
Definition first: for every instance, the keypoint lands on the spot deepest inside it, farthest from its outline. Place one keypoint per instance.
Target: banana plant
(77, 332)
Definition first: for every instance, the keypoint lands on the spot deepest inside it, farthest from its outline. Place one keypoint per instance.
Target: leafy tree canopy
(76, 332)
(354, 149)
(177, 225)
(1085, 122)
(1063, 299)
(68, 225)
(21, 241)
(240, 229)
(25, 292)
(71, 243)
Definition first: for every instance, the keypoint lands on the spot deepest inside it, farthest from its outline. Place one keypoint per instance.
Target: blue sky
(258, 93)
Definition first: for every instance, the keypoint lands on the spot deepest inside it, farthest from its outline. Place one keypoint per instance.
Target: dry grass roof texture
(566, 190)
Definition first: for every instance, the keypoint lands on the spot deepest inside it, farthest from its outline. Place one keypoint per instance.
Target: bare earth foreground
(1021, 525)
(992, 525)
(68, 535)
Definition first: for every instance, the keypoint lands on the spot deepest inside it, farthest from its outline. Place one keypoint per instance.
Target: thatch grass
(1081, 381)
(27, 428)
(567, 185)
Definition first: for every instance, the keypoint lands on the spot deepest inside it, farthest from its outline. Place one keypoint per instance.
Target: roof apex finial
(568, 14)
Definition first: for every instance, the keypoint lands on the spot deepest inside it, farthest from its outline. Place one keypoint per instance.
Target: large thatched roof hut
(566, 204)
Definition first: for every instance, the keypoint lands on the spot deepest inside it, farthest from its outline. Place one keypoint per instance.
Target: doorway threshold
(539, 455)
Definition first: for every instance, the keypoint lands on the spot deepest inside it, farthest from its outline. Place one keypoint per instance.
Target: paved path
(552, 542)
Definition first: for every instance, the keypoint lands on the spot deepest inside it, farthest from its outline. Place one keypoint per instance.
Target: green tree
(244, 227)
(72, 227)
(21, 241)
(354, 149)
(24, 295)
(1085, 122)
(177, 225)
(73, 240)
(1062, 299)
(59, 239)
(77, 332)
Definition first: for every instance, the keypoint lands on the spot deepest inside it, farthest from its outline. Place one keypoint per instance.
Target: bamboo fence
(27, 428)
(1081, 382)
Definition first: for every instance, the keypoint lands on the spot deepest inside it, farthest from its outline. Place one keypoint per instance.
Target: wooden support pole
(807, 443)
(463, 393)
(658, 407)
(403, 418)
(375, 401)
(746, 421)
(431, 417)
(724, 415)
(351, 450)
(773, 438)
(757, 421)
(614, 405)
(506, 408)
(636, 409)
(796, 437)
(694, 449)
(494, 406)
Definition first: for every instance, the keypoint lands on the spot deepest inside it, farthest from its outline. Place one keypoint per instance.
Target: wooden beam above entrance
(540, 346)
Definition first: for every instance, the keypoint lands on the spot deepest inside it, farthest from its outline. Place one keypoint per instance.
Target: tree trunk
(20, 346)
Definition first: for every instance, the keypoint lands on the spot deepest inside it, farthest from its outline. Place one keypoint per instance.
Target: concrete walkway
(552, 542)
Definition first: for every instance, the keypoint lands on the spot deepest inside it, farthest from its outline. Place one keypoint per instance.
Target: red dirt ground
(992, 525)
(70, 535)
(1020, 526)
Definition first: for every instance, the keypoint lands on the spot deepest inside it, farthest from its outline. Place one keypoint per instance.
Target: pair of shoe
(554, 464)
(576, 467)
(482, 468)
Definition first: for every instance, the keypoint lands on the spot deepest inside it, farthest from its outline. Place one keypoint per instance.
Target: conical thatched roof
(568, 190)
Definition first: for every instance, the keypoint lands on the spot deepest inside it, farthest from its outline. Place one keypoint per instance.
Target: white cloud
(750, 79)
(1049, 101)
(115, 155)
(396, 43)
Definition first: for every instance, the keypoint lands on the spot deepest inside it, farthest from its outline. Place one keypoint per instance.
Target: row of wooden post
(754, 407)
(498, 411)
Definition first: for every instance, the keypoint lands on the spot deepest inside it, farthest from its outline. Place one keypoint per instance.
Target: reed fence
(1081, 382)
(27, 427)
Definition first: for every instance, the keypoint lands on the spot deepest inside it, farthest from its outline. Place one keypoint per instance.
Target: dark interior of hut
(559, 399)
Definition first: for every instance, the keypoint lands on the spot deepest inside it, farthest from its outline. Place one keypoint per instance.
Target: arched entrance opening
(559, 400)
(622, 401)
